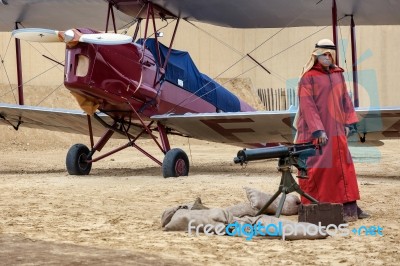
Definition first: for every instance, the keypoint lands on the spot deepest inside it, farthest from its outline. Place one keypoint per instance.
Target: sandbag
(168, 213)
(258, 199)
(197, 219)
(242, 209)
(272, 227)
(221, 221)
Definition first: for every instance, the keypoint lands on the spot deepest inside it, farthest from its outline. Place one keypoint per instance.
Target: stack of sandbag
(239, 219)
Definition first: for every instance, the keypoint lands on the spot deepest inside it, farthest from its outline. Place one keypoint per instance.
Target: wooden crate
(325, 213)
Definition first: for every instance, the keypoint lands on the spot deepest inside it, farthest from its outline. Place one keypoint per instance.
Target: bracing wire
(215, 38)
(197, 97)
(56, 65)
(133, 22)
(5, 70)
(8, 45)
(59, 86)
(126, 27)
(30, 79)
(163, 27)
(193, 95)
(9, 81)
(44, 47)
(246, 71)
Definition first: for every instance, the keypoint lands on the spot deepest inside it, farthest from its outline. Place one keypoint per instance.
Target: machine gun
(295, 155)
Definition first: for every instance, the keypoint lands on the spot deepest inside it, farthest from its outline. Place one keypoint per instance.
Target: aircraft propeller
(70, 37)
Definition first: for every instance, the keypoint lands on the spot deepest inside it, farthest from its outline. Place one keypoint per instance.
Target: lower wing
(70, 121)
(264, 127)
(245, 129)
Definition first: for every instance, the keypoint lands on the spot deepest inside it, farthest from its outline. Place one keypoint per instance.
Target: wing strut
(139, 21)
(110, 10)
(150, 13)
(354, 61)
(334, 29)
(170, 45)
(353, 49)
(19, 69)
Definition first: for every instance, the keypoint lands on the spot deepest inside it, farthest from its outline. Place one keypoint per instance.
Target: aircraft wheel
(175, 163)
(76, 160)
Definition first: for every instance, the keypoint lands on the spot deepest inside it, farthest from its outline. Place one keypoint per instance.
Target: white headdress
(321, 47)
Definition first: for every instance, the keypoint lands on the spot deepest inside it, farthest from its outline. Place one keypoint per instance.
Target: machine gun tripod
(295, 155)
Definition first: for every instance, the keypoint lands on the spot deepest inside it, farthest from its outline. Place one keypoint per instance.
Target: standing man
(325, 115)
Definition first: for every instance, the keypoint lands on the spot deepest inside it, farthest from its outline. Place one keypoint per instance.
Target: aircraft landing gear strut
(80, 158)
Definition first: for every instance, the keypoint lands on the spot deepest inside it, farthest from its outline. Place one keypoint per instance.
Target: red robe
(324, 104)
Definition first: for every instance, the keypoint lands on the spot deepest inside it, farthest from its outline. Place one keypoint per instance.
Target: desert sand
(112, 216)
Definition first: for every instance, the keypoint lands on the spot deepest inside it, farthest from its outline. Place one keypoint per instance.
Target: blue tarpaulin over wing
(182, 72)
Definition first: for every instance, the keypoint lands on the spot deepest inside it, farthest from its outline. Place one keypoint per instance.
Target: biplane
(132, 88)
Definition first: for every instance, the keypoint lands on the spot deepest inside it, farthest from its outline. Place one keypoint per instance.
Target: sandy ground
(112, 216)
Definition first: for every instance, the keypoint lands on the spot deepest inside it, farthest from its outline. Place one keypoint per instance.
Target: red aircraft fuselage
(121, 77)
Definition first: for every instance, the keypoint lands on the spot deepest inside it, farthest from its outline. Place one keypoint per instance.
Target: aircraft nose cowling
(69, 36)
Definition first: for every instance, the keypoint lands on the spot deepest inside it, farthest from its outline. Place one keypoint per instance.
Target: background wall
(217, 52)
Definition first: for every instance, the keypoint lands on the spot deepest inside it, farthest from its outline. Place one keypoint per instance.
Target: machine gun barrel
(247, 155)
(296, 150)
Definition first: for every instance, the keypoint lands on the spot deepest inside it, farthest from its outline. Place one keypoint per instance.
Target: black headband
(332, 47)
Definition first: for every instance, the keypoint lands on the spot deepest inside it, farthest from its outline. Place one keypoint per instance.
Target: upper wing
(249, 128)
(273, 13)
(66, 14)
(71, 121)
(57, 14)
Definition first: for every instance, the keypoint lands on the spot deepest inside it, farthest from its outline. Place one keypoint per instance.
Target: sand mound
(244, 89)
